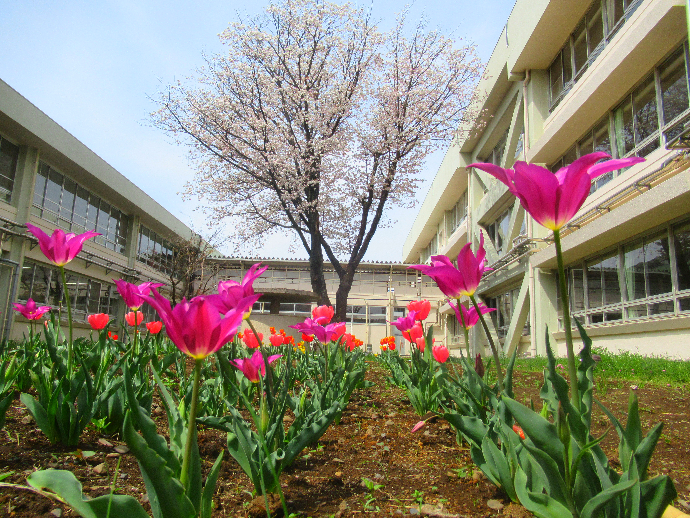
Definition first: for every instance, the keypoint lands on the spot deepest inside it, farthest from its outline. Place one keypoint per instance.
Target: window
(154, 250)
(9, 156)
(642, 278)
(498, 233)
(457, 215)
(87, 296)
(505, 306)
(290, 308)
(377, 315)
(74, 209)
(357, 314)
(652, 114)
(585, 44)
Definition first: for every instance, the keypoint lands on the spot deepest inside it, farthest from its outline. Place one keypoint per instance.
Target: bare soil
(427, 473)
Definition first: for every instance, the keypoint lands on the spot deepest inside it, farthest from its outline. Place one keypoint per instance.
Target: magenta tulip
(469, 317)
(196, 327)
(553, 199)
(131, 293)
(405, 323)
(253, 368)
(230, 292)
(60, 248)
(323, 334)
(30, 311)
(463, 280)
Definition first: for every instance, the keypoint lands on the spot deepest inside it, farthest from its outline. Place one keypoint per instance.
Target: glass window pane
(580, 47)
(568, 65)
(609, 273)
(27, 278)
(595, 28)
(674, 86)
(594, 288)
(644, 105)
(9, 155)
(556, 78)
(658, 266)
(614, 12)
(94, 296)
(586, 145)
(625, 134)
(682, 244)
(577, 293)
(54, 189)
(633, 267)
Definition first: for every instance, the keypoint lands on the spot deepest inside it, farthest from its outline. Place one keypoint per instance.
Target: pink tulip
(254, 367)
(331, 332)
(131, 293)
(470, 316)
(60, 248)
(553, 199)
(407, 322)
(440, 352)
(30, 311)
(231, 293)
(98, 321)
(422, 307)
(463, 280)
(196, 327)
(323, 314)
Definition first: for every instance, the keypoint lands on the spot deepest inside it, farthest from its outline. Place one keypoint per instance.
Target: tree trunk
(343, 292)
(318, 282)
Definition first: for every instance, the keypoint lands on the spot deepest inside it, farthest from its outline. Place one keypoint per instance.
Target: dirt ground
(426, 473)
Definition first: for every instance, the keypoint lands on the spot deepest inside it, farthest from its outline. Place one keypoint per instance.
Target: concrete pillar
(536, 105)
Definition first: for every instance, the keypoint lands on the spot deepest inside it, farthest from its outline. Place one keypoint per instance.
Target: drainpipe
(13, 296)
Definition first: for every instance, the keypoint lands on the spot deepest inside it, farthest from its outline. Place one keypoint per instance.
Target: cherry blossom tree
(315, 122)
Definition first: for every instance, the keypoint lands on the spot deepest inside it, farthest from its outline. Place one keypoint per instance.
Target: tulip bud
(264, 415)
(479, 365)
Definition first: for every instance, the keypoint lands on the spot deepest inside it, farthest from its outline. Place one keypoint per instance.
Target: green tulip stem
(464, 329)
(572, 367)
(69, 320)
(136, 334)
(191, 426)
(494, 351)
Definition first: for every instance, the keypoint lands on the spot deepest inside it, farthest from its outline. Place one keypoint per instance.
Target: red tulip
(307, 338)
(98, 321)
(129, 318)
(518, 430)
(553, 199)
(154, 327)
(414, 334)
(276, 340)
(30, 310)
(111, 335)
(323, 314)
(250, 339)
(60, 248)
(422, 307)
(440, 352)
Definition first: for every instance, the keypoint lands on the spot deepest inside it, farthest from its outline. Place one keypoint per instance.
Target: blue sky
(92, 66)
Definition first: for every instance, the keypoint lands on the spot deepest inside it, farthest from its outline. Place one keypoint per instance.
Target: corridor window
(9, 156)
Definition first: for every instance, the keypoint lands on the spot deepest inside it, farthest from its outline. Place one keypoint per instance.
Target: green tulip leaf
(66, 486)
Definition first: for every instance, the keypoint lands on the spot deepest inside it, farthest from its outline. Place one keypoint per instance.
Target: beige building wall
(554, 89)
